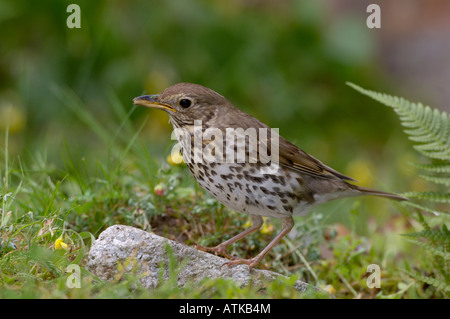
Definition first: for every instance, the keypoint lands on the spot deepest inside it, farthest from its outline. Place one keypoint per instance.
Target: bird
(272, 177)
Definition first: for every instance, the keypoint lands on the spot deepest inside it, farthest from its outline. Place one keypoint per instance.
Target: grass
(50, 216)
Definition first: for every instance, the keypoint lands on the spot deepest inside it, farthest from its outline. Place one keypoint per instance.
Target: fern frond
(430, 128)
(439, 284)
(437, 251)
(430, 131)
(431, 196)
(444, 180)
(435, 235)
(427, 209)
(433, 168)
(423, 221)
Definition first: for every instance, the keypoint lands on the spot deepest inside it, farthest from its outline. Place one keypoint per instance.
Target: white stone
(119, 243)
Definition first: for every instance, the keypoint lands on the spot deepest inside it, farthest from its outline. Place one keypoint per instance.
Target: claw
(218, 250)
(252, 262)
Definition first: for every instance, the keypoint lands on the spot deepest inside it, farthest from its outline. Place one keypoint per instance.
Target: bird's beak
(150, 101)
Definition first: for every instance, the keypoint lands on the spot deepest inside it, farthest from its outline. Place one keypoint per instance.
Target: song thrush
(260, 184)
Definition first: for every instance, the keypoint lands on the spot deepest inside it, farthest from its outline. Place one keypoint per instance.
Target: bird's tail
(368, 191)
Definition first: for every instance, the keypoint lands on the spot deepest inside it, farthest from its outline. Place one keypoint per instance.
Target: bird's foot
(218, 250)
(252, 262)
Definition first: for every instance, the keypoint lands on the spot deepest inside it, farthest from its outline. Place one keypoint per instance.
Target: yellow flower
(247, 224)
(60, 244)
(266, 228)
(175, 158)
(328, 288)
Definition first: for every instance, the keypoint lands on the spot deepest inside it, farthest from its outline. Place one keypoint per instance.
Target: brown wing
(289, 155)
(293, 157)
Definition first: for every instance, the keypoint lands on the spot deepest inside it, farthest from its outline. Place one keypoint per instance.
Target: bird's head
(187, 102)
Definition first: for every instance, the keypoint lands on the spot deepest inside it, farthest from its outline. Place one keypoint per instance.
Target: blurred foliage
(285, 62)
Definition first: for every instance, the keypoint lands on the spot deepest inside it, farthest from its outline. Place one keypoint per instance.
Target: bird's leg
(220, 249)
(288, 223)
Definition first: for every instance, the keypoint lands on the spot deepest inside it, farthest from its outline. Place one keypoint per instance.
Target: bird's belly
(247, 189)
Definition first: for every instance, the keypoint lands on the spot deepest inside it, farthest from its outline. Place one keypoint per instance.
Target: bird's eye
(185, 103)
